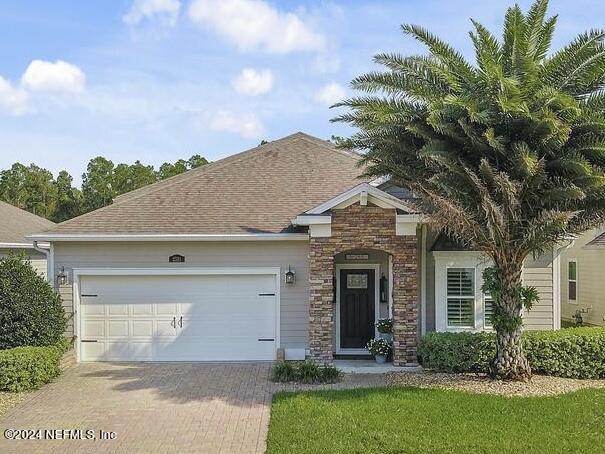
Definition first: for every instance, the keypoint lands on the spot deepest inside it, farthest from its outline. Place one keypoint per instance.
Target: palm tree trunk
(510, 361)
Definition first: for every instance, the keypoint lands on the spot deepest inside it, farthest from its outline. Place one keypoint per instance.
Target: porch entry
(357, 307)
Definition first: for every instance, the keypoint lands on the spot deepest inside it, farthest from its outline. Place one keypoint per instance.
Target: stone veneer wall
(364, 227)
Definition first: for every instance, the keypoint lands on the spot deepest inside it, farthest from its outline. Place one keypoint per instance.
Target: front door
(357, 307)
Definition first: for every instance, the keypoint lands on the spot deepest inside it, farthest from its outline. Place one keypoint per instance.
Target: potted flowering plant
(385, 328)
(380, 349)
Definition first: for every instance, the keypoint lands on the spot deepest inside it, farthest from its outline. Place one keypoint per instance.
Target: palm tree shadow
(245, 384)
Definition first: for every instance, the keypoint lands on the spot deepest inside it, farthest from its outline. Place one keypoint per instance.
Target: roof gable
(363, 193)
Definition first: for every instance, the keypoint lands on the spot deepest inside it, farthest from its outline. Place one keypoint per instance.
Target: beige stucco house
(582, 279)
(15, 225)
(281, 248)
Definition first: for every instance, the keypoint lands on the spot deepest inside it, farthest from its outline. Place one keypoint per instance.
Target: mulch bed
(539, 385)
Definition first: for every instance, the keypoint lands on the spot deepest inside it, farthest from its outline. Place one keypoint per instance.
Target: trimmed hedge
(26, 368)
(571, 352)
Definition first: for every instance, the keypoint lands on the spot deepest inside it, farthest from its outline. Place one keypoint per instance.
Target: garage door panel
(142, 328)
(142, 309)
(166, 309)
(118, 328)
(117, 310)
(241, 349)
(92, 351)
(165, 328)
(88, 308)
(94, 328)
(133, 318)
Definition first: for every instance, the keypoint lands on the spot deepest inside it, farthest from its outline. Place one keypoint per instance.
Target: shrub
(284, 372)
(26, 368)
(30, 310)
(305, 372)
(570, 352)
(457, 352)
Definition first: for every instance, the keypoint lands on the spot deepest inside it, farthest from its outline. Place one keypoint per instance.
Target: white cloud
(13, 100)
(330, 94)
(245, 125)
(256, 25)
(252, 82)
(59, 76)
(165, 11)
(326, 63)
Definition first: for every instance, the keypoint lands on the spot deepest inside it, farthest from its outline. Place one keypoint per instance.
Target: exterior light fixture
(62, 277)
(289, 277)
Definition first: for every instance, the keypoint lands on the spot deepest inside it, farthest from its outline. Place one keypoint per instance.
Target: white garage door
(178, 318)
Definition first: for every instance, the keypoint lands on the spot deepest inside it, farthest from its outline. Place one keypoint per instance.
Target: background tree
(30, 188)
(127, 177)
(168, 170)
(33, 188)
(98, 184)
(196, 161)
(69, 199)
(12, 187)
(506, 155)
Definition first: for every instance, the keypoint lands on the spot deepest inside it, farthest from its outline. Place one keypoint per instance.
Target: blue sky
(158, 80)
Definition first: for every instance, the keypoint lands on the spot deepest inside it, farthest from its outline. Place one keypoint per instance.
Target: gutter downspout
(49, 264)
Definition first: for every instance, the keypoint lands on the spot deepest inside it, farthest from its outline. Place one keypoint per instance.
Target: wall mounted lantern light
(62, 277)
(289, 277)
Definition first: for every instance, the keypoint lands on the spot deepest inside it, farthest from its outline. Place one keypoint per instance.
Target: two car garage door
(226, 317)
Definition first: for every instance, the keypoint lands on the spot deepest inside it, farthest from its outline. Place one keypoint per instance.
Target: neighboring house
(279, 247)
(582, 279)
(15, 225)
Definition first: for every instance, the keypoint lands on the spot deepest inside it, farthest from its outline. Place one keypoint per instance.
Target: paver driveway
(155, 408)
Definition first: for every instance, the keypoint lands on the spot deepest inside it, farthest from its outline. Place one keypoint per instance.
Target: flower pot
(380, 359)
(386, 336)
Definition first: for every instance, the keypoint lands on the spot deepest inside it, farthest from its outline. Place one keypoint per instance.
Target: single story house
(582, 283)
(15, 225)
(281, 248)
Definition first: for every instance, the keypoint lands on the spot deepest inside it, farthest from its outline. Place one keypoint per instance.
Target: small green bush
(457, 352)
(573, 352)
(30, 310)
(26, 368)
(305, 372)
(570, 352)
(284, 372)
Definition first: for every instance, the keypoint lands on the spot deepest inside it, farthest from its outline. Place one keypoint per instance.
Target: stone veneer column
(321, 299)
(363, 227)
(405, 303)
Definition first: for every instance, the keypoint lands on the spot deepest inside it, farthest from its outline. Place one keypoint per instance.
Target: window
(488, 310)
(572, 281)
(461, 297)
(357, 281)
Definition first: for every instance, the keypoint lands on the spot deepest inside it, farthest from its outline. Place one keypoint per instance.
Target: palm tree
(505, 155)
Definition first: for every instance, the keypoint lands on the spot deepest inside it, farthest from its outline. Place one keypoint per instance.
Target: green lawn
(422, 420)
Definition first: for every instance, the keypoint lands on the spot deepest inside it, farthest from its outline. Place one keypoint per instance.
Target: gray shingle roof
(598, 241)
(258, 191)
(16, 224)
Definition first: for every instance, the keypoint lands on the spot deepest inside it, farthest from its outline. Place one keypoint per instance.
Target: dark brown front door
(356, 308)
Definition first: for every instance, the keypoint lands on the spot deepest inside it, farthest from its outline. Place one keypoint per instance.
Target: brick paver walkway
(171, 408)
